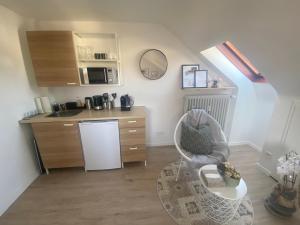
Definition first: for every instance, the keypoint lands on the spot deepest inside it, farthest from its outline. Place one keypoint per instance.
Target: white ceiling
(108, 10)
(267, 31)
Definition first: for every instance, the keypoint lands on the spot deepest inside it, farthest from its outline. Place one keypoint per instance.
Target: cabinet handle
(133, 148)
(68, 124)
(71, 83)
(132, 131)
(131, 121)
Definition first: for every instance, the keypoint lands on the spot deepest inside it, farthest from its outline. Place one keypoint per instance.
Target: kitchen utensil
(88, 103)
(46, 104)
(62, 107)
(97, 55)
(126, 102)
(109, 105)
(105, 97)
(38, 105)
(105, 100)
(71, 105)
(79, 103)
(98, 102)
(56, 107)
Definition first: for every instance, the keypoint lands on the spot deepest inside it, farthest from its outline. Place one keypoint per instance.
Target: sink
(67, 113)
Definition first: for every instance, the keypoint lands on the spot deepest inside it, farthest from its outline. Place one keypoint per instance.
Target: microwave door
(84, 75)
(97, 75)
(105, 76)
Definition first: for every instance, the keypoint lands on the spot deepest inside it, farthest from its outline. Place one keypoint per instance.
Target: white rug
(180, 201)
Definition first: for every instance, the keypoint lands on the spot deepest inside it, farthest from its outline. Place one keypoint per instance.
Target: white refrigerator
(101, 144)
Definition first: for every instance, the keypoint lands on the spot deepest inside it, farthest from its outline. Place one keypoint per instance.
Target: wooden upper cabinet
(53, 58)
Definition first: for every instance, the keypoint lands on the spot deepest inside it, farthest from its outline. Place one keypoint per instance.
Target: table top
(227, 192)
(115, 113)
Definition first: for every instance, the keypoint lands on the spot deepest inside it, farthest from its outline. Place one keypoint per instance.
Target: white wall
(163, 98)
(265, 100)
(276, 144)
(291, 137)
(17, 162)
(254, 103)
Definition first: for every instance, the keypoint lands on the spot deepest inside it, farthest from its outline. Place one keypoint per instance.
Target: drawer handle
(131, 121)
(133, 148)
(132, 131)
(71, 83)
(68, 124)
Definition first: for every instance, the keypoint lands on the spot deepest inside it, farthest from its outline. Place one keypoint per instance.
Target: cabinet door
(59, 144)
(53, 58)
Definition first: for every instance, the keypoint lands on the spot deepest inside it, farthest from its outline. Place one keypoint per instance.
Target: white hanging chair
(220, 151)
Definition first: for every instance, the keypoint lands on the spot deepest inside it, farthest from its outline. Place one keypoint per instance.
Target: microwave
(98, 75)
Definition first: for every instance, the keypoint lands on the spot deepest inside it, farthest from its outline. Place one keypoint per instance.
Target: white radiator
(217, 106)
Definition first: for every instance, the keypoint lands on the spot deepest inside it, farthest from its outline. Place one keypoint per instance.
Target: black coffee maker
(126, 102)
(98, 102)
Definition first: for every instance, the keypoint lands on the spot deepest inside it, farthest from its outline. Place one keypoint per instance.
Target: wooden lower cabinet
(59, 144)
(132, 139)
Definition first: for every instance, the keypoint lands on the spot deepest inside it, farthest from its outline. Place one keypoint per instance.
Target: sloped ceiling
(266, 31)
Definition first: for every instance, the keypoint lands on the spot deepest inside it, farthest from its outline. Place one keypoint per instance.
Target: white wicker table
(220, 204)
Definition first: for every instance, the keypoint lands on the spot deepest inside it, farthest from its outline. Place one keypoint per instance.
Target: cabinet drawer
(129, 123)
(132, 133)
(59, 144)
(129, 148)
(133, 155)
(133, 141)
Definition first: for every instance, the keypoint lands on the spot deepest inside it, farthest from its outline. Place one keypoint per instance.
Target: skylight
(241, 62)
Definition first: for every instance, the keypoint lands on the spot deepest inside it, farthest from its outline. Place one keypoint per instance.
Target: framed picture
(201, 78)
(188, 75)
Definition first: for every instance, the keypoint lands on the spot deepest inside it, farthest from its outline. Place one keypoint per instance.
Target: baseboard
(263, 169)
(257, 148)
(159, 144)
(254, 146)
(168, 144)
(158, 147)
(237, 143)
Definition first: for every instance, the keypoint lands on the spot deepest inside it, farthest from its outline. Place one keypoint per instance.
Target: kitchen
(76, 134)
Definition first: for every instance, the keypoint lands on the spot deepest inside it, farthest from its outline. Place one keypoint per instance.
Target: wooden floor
(126, 196)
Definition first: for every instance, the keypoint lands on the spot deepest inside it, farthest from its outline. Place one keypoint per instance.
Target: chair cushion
(197, 141)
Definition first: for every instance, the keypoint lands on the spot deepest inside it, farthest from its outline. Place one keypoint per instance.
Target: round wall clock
(153, 64)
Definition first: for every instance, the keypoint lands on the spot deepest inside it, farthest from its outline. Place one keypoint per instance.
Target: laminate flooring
(125, 196)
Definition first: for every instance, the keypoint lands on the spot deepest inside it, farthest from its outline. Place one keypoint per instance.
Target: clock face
(153, 64)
